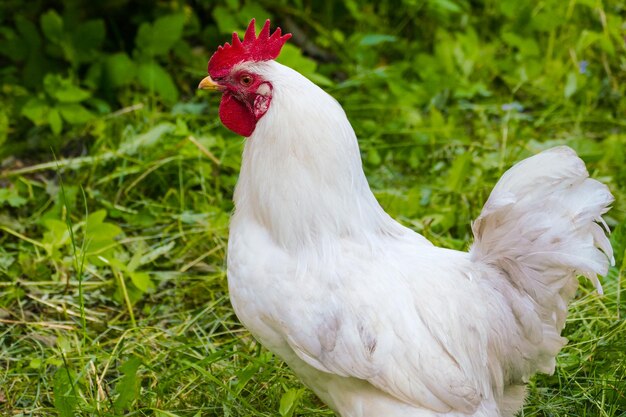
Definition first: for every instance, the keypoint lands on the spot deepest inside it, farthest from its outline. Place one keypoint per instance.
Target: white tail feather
(541, 226)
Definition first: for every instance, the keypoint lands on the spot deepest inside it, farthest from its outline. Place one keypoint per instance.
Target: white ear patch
(262, 100)
(261, 104)
(264, 90)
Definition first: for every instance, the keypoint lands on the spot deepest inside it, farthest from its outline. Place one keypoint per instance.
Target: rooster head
(246, 95)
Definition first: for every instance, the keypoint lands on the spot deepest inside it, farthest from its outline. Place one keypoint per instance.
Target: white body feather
(370, 315)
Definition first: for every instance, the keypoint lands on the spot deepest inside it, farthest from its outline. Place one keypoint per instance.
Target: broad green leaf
(546, 20)
(63, 89)
(527, 46)
(10, 196)
(134, 294)
(74, 113)
(355, 9)
(55, 121)
(12, 45)
(512, 8)
(292, 57)
(128, 386)
(586, 39)
(459, 172)
(607, 45)
(101, 106)
(52, 83)
(52, 26)
(141, 280)
(159, 37)
(28, 32)
(87, 39)
(64, 396)
(225, 20)
(35, 363)
(54, 361)
(100, 237)
(252, 9)
(168, 30)
(6, 260)
(103, 232)
(436, 118)
(245, 375)
(71, 94)
(373, 39)
(153, 77)
(119, 70)
(36, 110)
(36, 63)
(95, 218)
(570, 85)
(143, 41)
(413, 202)
(289, 402)
(135, 260)
(449, 6)
(57, 234)
(64, 344)
(96, 229)
(373, 157)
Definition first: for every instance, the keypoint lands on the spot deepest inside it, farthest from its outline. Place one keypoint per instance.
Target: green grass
(113, 291)
(154, 293)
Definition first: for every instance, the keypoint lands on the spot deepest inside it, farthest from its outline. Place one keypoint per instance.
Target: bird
(374, 318)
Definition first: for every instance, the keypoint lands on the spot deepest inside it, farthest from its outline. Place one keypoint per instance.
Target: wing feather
(426, 354)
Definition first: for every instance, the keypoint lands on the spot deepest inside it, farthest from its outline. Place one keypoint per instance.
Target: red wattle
(236, 116)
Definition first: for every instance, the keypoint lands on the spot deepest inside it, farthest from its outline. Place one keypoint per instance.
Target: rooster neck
(301, 176)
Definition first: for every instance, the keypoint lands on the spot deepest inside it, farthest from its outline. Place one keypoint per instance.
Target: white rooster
(371, 316)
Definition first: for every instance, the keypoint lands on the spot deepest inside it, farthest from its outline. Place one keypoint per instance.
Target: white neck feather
(301, 176)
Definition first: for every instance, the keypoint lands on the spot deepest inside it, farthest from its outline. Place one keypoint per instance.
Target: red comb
(253, 48)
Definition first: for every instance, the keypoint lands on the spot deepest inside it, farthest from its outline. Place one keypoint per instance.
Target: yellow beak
(208, 84)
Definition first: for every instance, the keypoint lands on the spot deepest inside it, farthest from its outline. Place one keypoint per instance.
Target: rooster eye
(245, 79)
